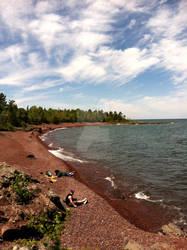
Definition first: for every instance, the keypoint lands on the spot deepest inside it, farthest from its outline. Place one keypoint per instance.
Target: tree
(12, 111)
(12, 116)
(3, 102)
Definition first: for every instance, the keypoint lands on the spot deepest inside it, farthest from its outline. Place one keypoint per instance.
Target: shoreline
(141, 213)
(95, 225)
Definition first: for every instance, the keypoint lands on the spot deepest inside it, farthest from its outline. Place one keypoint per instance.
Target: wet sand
(98, 224)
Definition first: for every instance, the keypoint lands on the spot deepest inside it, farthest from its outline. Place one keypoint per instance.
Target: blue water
(149, 159)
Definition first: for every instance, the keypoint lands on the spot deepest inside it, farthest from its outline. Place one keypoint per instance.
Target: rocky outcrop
(172, 230)
(133, 245)
(21, 198)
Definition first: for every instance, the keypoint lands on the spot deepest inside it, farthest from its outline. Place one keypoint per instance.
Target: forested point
(11, 116)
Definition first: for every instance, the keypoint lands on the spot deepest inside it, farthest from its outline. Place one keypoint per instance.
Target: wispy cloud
(47, 44)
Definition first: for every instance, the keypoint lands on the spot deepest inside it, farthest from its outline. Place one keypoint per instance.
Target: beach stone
(34, 188)
(172, 230)
(7, 230)
(42, 202)
(56, 200)
(133, 245)
(161, 246)
(31, 156)
(3, 219)
(4, 201)
(6, 172)
(20, 248)
(34, 247)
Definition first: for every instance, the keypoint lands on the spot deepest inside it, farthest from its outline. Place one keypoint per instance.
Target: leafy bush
(19, 185)
(49, 224)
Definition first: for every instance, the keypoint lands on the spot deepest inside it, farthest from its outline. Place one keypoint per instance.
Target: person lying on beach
(73, 202)
(60, 173)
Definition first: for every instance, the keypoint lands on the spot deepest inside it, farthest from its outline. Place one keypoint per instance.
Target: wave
(44, 136)
(141, 195)
(60, 153)
(59, 128)
(111, 180)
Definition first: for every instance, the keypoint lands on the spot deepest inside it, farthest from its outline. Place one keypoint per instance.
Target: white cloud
(14, 13)
(48, 29)
(148, 107)
(169, 22)
(74, 41)
(129, 110)
(44, 85)
(109, 64)
(12, 55)
(78, 96)
(131, 24)
(81, 68)
(26, 99)
(163, 1)
(169, 39)
(136, 5)
(90, 40)
(43, 7)
(86, 33)
(147, 38)
(126, 65)
(173, 57)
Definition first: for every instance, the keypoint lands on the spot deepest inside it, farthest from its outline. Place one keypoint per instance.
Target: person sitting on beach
(60, 173)
(73, 202)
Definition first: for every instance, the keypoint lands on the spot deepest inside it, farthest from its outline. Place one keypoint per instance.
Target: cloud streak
(55, 44)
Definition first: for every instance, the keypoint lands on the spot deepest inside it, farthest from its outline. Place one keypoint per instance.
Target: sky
(114, 55)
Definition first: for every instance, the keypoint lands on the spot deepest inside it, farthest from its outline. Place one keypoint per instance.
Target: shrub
(49, 224)
(19, 185)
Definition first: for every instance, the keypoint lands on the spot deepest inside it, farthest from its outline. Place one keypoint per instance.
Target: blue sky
(128, 56)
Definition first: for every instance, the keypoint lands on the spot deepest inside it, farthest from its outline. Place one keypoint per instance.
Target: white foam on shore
(43, 137)
(50, 145)
(142, 196)
(111, 181)
(60, 154)
(59, 129)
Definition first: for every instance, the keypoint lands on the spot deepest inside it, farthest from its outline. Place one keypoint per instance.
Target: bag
(48, 173)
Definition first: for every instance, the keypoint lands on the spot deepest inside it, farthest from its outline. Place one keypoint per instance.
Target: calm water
(151, 160)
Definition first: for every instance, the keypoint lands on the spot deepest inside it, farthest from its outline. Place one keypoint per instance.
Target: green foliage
(19, 185)
(3, 102)
(49, 224)
(28, 243)
(12, 116)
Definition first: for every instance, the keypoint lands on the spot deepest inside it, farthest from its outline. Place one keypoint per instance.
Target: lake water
(150, 159)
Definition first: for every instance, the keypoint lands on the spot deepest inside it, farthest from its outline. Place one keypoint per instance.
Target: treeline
(12, 116)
